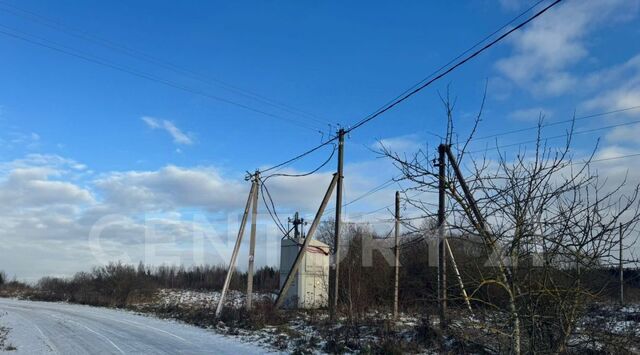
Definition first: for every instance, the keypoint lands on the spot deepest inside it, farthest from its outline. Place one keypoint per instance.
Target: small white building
(310, 287)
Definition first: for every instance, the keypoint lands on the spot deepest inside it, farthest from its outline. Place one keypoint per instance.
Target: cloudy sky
(126, 129)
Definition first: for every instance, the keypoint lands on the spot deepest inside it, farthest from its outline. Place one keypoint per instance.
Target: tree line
(119, 285)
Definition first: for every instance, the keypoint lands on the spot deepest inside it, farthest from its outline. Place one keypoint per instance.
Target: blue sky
(80, 141)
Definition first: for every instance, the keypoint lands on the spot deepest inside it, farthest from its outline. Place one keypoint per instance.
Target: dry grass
(4, 343)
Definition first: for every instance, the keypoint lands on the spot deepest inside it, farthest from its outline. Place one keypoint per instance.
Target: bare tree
(545, 222)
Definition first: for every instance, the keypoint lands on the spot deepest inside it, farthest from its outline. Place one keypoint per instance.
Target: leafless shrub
(546, 224)
(121, 285)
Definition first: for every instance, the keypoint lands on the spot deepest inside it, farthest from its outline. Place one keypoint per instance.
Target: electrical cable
(555, 123)
(274, 214)
(300, 155)
(333, 152)
(16, 34)
(410, 93)
(400, 177)
(131, 52)
(265, 191)
(463, 53)
(452, 68)
(610, 158)
(557, 136)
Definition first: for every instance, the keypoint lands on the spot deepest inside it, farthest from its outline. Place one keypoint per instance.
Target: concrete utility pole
(314, 225)
(621, 269)
(457, 272)
(397, 261)
(333, 288)
(236, 248)
(442, 251)
(252, 240)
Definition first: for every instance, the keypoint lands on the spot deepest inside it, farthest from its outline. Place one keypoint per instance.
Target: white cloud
(16, 139)
(47, 216)
(544, 51)
(625, 134)
(49, 226)
(619, 87)
(38, 180)
(33, 188)
(178, 136)
(616, 170)
(530, 114)
(170, 188)
(164, 211)
(401, 144)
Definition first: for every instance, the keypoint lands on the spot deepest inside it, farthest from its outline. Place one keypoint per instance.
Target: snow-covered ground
(298, 332)
(58, 328)
(203, 299)
(39, 327)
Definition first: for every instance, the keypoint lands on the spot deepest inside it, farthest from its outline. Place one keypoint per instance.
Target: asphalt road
(58, 328)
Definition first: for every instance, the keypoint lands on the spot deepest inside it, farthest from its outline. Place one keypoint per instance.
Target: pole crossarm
(296, 264)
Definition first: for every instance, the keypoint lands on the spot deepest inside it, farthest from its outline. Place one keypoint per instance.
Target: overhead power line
(409, 93)
(368, 193)
(378, 189)
(613, 158)
(421, 86)
(137, 54)
(271, 209)
(389, 182)
(626, 156)
(391, 204)
(452, 68)
(36, 40)
(568, 134)
(463, 53)
(297, 157)
(532, 128)
(333, 152)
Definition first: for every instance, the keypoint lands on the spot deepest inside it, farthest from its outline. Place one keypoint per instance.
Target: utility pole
(457, 272)
(333, 288)
(236, 249)
(442, 251)
(621, 269)
(397, 252)
(252, 240)
(314, 225)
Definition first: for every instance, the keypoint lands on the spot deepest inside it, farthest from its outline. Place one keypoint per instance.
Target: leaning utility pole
(236, 248)
(621, 269)
(442, 251)
(333, 288)
(457, 272)
(252, 240)
(397, 261)
(303, 249)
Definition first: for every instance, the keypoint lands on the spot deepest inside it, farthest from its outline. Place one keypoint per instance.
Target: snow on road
(58, 328)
